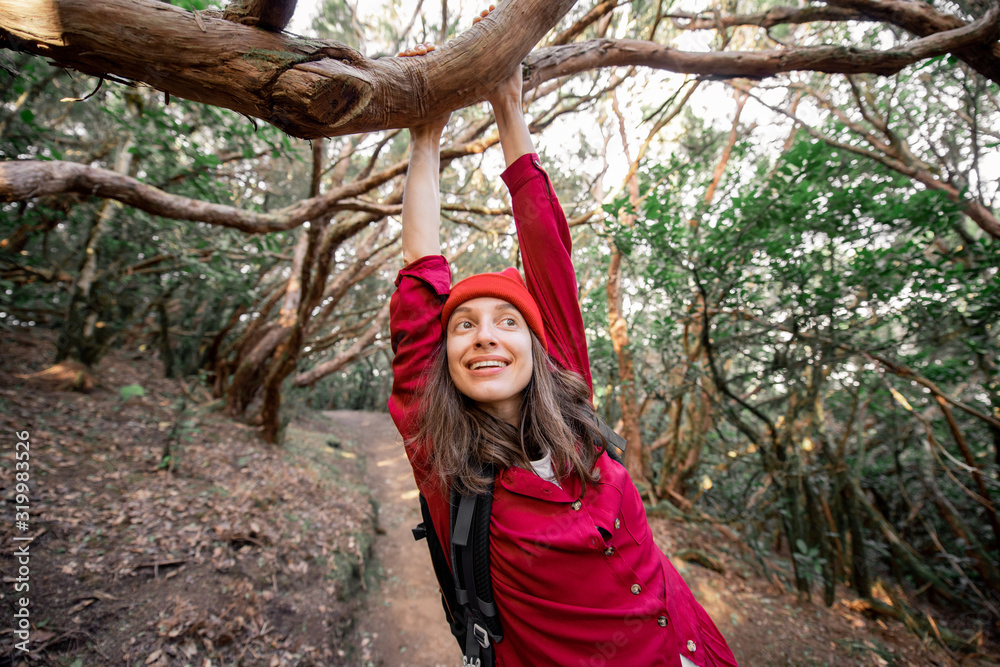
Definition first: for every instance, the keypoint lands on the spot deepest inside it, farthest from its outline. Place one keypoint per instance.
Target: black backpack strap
(616, 443)
(470, 558)
(446, 585)
(466, 587)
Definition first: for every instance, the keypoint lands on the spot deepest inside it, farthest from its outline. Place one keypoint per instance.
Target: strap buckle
(420, 532)
(481, 635)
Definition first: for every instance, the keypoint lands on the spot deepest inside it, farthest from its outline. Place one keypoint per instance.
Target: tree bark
(77, 339)
(311, 88)
(308, 88)
(635, 453)
(272, 15)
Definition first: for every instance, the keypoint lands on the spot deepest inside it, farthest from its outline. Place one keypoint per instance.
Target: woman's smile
(489, 365)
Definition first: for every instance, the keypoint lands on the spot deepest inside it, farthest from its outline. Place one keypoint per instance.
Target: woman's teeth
(486, 364)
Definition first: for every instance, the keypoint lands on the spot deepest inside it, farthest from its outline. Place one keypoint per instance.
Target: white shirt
(543, 468)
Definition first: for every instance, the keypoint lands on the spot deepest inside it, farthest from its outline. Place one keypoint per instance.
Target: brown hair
(556, 418)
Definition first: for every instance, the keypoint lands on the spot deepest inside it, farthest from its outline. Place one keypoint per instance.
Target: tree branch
(308, 88)
(272, 15)
(920, 18)
(350, 355)
(768, 19)
(311, 88)
(557, 61)
(892, 154)
(27, 179)
(575, 30)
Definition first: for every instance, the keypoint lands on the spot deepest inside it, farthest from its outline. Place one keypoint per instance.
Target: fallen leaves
(211, 552)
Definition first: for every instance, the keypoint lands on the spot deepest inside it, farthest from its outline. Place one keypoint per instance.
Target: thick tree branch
(920, 18)
(308, 88)
(33, 178)
(271, 15)
(27, 179)
(311, 88)
(557, 61)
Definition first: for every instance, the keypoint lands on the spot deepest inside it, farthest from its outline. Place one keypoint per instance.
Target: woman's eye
(510, 321)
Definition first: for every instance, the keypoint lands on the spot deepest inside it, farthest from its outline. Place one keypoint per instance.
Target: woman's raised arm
(542, 232)
(515, 138)
(421, 194)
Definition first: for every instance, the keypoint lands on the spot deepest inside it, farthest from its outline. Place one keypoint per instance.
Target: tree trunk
(77, 338)
(166, 352)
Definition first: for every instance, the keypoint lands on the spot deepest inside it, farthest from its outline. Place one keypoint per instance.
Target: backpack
(467, 589)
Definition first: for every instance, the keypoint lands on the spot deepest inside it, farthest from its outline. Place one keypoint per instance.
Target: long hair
(556, 418)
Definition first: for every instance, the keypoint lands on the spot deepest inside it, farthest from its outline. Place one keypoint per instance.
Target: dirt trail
(403, 623)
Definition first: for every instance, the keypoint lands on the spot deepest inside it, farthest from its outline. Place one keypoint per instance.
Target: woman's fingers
(418, 50)
(426, 47)
(483, 14)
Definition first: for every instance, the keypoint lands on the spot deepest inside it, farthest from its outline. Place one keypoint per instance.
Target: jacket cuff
(432, 269)
(523, 170)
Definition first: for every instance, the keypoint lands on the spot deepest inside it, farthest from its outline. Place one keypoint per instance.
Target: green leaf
(130, 390)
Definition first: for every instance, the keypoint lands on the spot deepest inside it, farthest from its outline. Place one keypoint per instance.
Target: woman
(495, 369)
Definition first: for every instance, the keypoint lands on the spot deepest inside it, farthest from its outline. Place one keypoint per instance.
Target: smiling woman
(493, 396)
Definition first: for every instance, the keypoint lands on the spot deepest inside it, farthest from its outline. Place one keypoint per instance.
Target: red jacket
(566, 595)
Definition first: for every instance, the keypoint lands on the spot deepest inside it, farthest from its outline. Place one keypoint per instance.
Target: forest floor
(230, 551)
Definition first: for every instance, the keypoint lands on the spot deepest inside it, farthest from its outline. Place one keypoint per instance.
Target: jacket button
(610, 551)
(636, 589)
(691, 646)
(618, 523)
(576, 505)
(662, 621)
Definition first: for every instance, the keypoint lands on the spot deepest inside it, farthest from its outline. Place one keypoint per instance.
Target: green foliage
(131, 391)
(809, 560)
(204, 271)
(196, 5)
(806, 275)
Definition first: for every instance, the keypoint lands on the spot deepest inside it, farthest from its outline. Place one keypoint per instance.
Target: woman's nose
(486, 337)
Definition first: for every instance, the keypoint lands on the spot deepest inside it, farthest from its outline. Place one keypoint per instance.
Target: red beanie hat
(507, 285)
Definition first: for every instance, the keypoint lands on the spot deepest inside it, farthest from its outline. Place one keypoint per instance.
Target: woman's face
(489, 355)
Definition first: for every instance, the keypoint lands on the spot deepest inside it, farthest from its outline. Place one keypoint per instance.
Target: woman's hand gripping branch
(515, 139)
(421, 193)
